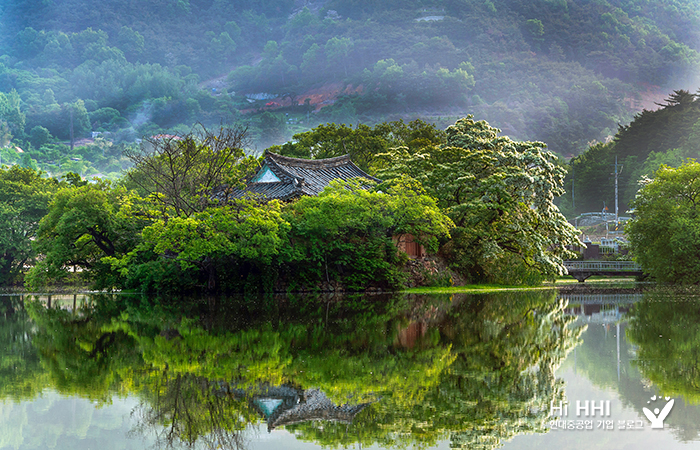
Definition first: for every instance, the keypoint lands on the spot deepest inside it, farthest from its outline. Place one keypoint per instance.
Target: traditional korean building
(284, 178)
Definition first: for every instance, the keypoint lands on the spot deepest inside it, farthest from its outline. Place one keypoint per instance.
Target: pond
(512, 370)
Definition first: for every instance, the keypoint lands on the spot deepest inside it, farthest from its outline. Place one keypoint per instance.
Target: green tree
(534, 27)
(242, 233)
(10, 112)
(345, 233)
(84, 225)
(337, 51)
(665, 233)
(311, 62)
(666, 135)
(24, 199)
(39, 136)
(131, 42)
(499, 193)
(363, 143)
(179, 173)
(222, 46)
(78, 119)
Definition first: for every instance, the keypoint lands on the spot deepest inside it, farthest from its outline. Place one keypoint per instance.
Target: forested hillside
(669, 135)
(565, 72)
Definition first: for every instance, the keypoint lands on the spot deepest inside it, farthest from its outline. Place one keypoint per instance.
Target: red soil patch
(326, 95)
(318, 98)
(647, 98)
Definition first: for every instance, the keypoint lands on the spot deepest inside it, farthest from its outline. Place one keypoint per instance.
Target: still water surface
(461, 371)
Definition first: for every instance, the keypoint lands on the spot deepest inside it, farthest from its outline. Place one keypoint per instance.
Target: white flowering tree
(499, 193)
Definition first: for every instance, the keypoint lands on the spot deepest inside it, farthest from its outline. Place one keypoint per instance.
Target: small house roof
(284, 178)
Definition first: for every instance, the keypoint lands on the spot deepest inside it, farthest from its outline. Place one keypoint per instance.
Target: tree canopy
(25, 196)
(362, 143)
(562, 72)
(668, 135)
(499, 193)
(665, 233)
(85, 224)
(180, 173)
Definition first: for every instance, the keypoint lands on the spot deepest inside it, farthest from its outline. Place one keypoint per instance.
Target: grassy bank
(593, 282)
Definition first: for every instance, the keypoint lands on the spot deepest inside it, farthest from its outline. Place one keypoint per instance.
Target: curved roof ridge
(309, 163)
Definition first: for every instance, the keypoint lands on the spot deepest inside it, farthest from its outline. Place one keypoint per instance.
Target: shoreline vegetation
(466, 194)
(488, 209)
(592, 286)
(480, 204)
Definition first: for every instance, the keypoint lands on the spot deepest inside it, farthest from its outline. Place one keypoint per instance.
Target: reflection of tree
(79, 351)
(99, 351)
(665, 326)
(21, 376)
(667, 333)
(500, 383)
(186, 409)
(509, 349)
(478, 369)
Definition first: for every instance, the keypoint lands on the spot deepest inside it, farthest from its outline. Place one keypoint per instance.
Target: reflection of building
(286, 405)
(606, 310)
(410, 335)
(596, 308)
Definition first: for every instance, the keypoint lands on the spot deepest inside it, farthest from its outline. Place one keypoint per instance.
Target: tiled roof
(301, 176)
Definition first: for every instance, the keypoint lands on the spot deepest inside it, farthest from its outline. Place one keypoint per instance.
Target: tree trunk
(211, 272)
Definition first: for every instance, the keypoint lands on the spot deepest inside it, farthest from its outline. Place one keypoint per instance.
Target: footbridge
(581, 270)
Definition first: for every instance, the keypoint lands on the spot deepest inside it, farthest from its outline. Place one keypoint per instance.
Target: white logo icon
(657, 417)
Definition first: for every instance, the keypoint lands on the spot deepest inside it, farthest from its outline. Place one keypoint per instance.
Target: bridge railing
(608, 266)
(601, 299)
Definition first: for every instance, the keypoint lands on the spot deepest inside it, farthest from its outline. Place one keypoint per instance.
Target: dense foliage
(84, 225)
(499, 193)
(665, 234)
(362, 143)
(668, 135)
(563, 72)
(347, 233)
(481, 200)
(24, 199)
(175, 237)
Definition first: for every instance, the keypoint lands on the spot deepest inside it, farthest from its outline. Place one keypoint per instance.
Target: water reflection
(391, 371)
(187, 409)
(625, 357)
(665, 330)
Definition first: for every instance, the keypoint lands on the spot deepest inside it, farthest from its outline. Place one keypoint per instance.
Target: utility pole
(573, 196)
(72, 139)
(617, 216)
